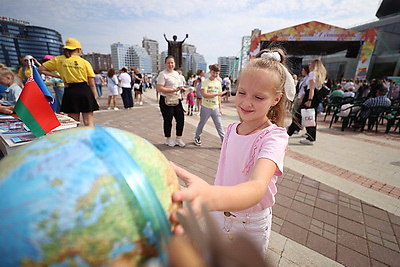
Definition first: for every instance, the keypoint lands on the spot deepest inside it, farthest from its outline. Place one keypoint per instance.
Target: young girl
(191, 101)
(112, 85)
(12, 92)
(251, 156)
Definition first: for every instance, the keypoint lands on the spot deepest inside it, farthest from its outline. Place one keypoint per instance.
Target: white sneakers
(306, 142)
(180, 143)
(169, 142)
(172, 143)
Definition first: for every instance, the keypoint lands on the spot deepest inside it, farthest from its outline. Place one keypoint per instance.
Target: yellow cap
(72, 44)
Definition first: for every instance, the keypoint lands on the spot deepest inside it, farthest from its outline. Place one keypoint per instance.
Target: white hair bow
(274, 55)
(290, 88)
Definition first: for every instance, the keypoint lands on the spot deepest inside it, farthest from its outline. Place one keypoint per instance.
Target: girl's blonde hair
(319, 72)
(276, 114)
(5, 71)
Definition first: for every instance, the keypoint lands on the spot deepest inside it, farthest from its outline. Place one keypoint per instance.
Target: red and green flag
(34, 109)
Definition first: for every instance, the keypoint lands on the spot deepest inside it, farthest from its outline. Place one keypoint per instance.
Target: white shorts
(256, 226)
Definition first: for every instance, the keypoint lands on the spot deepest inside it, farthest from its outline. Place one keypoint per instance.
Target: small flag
(38, 79)
(34, 109)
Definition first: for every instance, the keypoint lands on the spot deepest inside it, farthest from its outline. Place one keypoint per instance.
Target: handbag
(136, 86)
(308, 117)
(171, 99)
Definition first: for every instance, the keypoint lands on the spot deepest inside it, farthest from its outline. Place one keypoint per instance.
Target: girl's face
(170, 64)
(6, 80)
(303, 72)
(312, 64)
(255, 96)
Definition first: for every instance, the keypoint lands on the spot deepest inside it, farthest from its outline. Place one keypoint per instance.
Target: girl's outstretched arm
(197, 191)
(225, 198)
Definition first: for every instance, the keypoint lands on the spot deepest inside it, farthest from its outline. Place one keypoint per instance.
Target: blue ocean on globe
(85, 197)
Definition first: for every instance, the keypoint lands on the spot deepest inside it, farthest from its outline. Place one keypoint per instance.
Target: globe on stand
(85, 197)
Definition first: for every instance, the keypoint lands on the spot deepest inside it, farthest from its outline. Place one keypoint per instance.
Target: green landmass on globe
(64, 204)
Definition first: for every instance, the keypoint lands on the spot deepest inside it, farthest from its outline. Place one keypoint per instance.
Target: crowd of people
(75, 84)
(374, 93)
(244, 191)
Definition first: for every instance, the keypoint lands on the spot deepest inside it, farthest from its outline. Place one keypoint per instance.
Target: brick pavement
(309, 215)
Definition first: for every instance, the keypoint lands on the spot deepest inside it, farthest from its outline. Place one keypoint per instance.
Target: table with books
(14, 133)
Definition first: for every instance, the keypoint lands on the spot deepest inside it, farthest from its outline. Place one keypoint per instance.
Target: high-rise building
(188, 48)
(229, 66)
(99, 62)
(120, 56)
(244, 56)
(198, 63)
(163, 55)
(141, 59)
(130, 56)
(151, 47)
(18, 38)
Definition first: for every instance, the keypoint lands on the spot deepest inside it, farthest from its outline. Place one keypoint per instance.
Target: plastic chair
(348, 115)
(391, 116)
(373, 117)
(333, 105)
(348, 100)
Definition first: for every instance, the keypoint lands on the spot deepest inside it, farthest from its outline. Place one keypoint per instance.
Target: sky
(215, 27)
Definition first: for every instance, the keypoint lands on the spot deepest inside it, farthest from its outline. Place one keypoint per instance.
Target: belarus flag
(34, 109)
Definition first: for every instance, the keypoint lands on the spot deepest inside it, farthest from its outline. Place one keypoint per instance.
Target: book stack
(13, 129)
(66, 122)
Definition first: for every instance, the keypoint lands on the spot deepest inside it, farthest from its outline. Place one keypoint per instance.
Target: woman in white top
(295, 126)
(170, 83)
(112, 85)
(316, 79)
(125, 82)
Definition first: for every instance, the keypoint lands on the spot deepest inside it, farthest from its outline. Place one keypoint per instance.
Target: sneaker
(140, 103)
(116, 108)
(304, 135)
(306, 142)
(197, 141)
(180, 143)
(170, 143)
(109, 108)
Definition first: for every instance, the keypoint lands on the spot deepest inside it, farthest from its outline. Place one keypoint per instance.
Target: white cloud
(214, 27)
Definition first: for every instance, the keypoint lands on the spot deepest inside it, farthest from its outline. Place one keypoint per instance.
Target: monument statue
(175, 49)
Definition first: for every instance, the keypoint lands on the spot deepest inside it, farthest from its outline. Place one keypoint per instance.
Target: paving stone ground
(337, 202)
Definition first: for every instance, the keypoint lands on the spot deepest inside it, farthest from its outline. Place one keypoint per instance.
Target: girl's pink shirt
(240, 153)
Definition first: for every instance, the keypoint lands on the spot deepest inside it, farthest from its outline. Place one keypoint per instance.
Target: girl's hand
(198, 192)
(7, 109)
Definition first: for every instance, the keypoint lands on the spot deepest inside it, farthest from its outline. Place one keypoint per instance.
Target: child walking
(251, 156)
(190, 101)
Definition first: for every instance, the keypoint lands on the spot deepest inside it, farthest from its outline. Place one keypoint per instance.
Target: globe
(85, 197)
